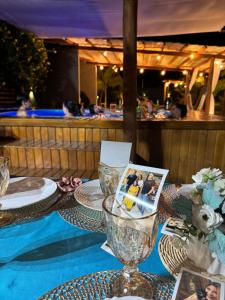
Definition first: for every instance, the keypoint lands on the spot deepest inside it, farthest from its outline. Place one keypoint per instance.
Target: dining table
(42, 251)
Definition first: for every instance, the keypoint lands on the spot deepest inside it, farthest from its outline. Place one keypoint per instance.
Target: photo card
(139, 190)
(193, 286)
(175, 227)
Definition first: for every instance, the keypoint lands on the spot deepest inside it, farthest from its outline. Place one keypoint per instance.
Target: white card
(115, 154)
(106, 248)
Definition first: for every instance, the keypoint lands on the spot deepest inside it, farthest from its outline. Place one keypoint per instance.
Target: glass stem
(128, 271)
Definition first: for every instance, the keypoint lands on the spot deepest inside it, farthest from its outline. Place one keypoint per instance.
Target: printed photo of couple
(193, 286)
(139, 190)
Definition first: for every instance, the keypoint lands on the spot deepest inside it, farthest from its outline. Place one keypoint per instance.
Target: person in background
(176, 111)
(70, 109)
(24, 106)
(147, 191)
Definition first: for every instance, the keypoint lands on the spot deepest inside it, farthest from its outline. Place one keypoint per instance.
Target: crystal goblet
(4, 175)
(109, 177)
(131, 240)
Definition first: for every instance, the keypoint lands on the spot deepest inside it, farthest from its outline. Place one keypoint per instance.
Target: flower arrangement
(204, 211)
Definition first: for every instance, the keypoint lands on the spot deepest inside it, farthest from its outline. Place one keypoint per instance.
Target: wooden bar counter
(182, 146)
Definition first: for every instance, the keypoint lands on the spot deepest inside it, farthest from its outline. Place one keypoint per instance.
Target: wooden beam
(130, 72)
(209, 86)
(146, 51)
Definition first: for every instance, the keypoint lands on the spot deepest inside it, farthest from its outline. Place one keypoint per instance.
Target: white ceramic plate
(90, 195)
(22, 199)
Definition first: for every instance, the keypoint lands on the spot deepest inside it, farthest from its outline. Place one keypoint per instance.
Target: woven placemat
(174, 257)
(96, 286)
(83, 217)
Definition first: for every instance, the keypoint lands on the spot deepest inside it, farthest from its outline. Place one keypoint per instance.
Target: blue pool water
(54, 113)
(44, 113)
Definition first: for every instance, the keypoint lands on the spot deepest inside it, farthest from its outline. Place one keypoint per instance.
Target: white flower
(205, 218)
(219, 186)
(207, 174)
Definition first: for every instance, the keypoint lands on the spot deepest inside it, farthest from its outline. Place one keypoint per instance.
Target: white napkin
(126, 298)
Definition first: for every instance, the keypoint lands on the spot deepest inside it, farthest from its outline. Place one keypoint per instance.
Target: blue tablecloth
(39, 255)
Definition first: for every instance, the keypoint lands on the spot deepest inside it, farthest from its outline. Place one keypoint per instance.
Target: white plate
(22, 199)
(90, 195)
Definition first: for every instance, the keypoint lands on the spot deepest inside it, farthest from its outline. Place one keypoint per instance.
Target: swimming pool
(56, 113)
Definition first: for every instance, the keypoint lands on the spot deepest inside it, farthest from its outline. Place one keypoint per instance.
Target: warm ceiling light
(141, 71)
(158, 57)
(192, 56)
(121, 68)
(105, 53)
(201, 74)
(184, 72)
(101, 67)
(163, 72)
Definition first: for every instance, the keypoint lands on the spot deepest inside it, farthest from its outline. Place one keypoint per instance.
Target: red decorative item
(68, 184)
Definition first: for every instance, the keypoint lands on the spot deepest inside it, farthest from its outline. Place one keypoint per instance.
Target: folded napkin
(68, 184)
(126, 298)
(25, 185)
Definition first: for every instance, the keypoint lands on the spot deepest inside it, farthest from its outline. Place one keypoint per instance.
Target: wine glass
(4, 175)
(109, 178)
(131, 240)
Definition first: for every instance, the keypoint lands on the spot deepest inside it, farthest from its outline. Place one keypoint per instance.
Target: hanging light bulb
(141, 71)
(184, 72)
(201, 74)
(158, 57)
(101, 68)
(192, 56)
(105, 53)
(163, 72)
(176, 85)
(121, 69)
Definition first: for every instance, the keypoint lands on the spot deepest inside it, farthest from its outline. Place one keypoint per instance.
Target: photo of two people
(139, 190)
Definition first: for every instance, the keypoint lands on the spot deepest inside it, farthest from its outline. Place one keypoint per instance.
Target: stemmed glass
(109, 177)
(4, 175)
(131, 240)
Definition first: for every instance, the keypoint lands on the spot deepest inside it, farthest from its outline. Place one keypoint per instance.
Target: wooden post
(186, 91)
(209, 86)
(130, 72)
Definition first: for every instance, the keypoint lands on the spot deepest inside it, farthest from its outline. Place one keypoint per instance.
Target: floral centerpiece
(203, 209)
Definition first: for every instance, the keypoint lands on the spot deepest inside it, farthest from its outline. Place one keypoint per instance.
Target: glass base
(133, 284)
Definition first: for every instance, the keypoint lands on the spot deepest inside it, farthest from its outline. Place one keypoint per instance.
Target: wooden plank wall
(57, 147)
(187, 151)
(182, 151)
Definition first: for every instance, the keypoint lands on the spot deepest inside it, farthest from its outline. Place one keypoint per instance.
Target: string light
(158, 57)
(105, 53)
(101, 68)
(192, 56)
(141, 71)
(115, 69)
(121, 69)
(176, 85)
(184, 72)
(201, 74)
(163, 72)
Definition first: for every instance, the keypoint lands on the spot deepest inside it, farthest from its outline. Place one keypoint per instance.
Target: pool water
(54, 113)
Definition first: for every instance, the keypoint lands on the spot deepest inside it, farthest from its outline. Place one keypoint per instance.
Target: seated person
(70, 109)
(176, 111)
(24, 105)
